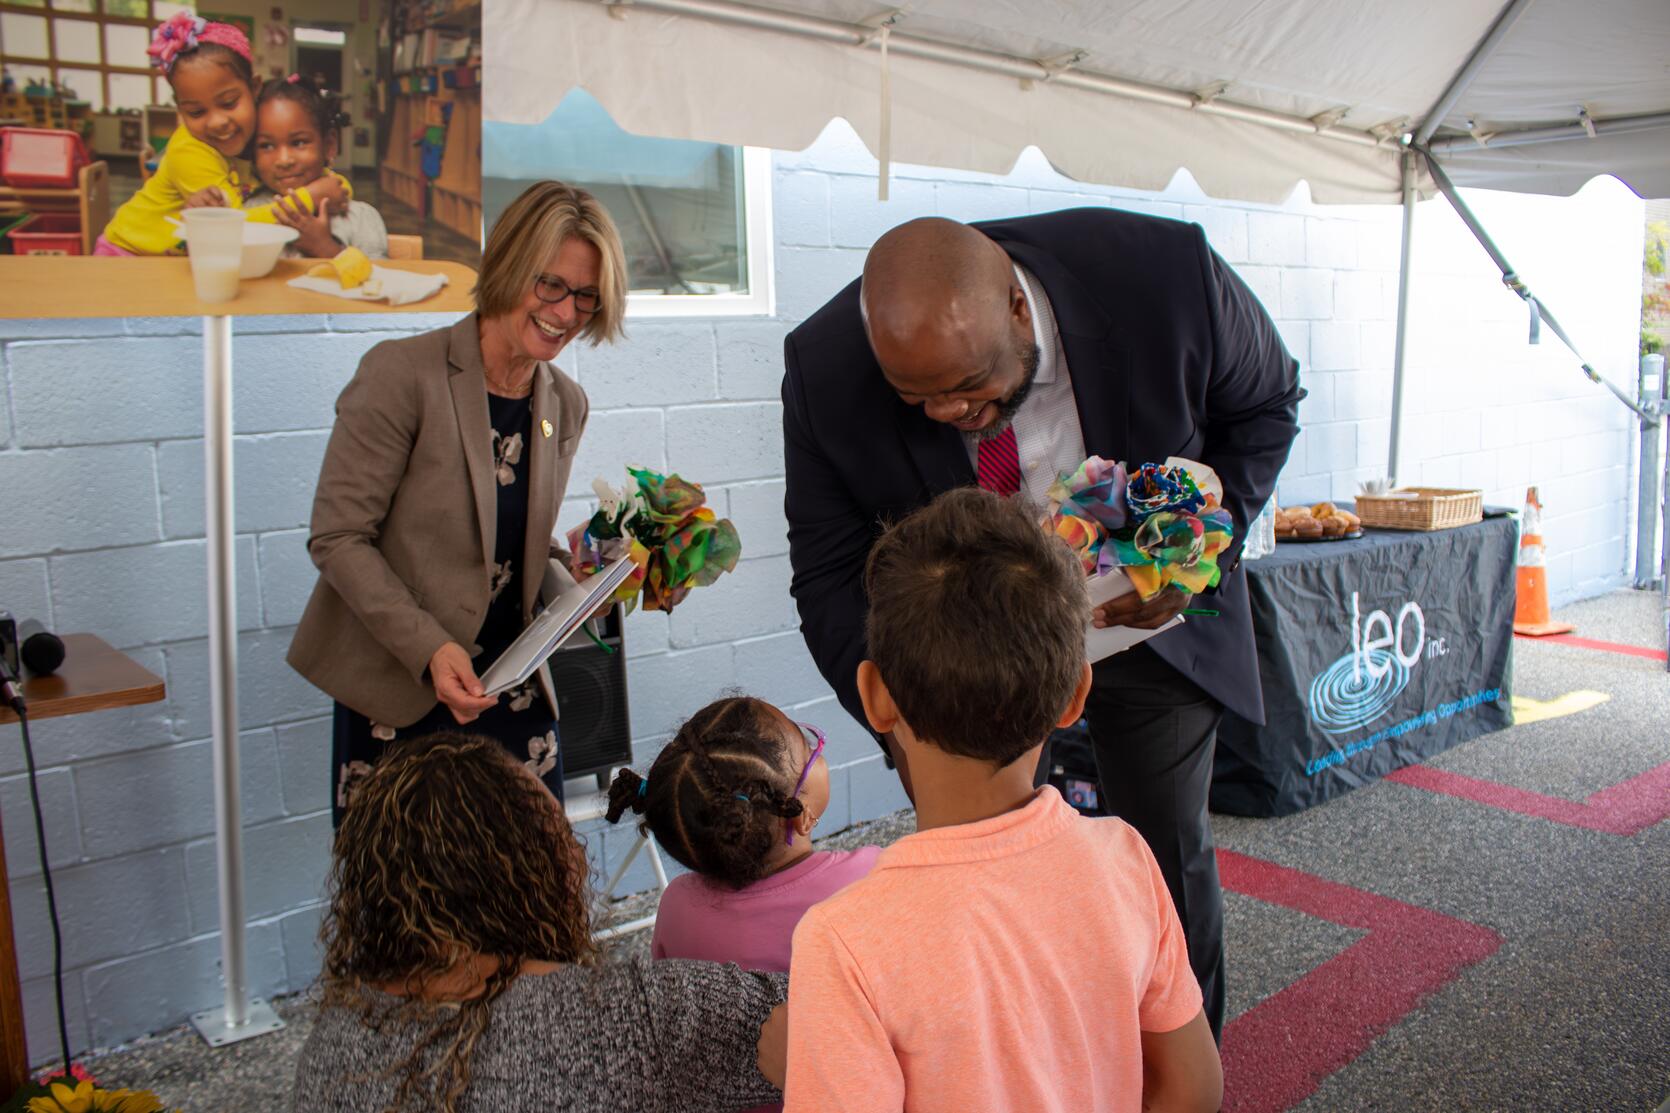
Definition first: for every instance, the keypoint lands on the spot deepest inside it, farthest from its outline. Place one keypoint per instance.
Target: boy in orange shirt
(1012, 954)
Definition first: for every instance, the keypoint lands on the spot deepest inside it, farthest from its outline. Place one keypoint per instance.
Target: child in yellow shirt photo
(208, 67)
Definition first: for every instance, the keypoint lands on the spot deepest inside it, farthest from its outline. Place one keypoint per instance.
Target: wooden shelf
(408, 189)
(95, 677)
(88, 202)
(459, 211)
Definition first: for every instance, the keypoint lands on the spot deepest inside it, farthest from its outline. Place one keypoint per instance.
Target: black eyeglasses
(551, 290)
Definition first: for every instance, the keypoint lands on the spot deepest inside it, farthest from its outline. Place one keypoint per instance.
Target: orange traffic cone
(1530, 609)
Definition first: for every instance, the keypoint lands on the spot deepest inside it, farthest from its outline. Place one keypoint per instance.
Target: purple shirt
(751, 927)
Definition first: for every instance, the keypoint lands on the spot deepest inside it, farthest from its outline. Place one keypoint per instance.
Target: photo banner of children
(342, 139)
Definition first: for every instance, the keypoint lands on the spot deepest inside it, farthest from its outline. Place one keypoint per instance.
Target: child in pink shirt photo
(734, 797)
(1011, 954)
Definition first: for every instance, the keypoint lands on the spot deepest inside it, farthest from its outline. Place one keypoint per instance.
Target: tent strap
(1539, 311)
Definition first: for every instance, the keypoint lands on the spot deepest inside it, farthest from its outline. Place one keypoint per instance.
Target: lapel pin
(545, 426)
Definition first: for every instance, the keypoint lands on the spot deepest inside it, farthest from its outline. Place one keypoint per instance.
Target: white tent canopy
(1250, 98)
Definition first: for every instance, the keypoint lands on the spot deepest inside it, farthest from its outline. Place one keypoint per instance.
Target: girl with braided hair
(460, 973)
(734, 797)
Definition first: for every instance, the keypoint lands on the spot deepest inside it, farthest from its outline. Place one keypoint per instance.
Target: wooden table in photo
(161, 286)
(94, 677)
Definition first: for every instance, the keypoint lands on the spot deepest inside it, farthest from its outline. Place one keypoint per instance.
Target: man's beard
(1007, 409)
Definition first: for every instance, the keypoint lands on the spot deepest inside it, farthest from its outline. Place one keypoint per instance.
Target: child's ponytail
(626, 793)
(717, 796)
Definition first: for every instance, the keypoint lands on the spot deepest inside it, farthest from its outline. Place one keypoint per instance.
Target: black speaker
(1073, 768)
(591, 691)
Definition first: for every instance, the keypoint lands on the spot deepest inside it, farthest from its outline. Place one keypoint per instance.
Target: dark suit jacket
(405, 515)
(1170, 355)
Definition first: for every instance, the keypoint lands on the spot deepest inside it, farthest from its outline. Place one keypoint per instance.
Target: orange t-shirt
(1006, 964)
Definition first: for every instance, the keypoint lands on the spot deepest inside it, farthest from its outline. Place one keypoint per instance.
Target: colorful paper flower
(1162, 525)
(663, 524)
(1094, 491)
(1158, 487)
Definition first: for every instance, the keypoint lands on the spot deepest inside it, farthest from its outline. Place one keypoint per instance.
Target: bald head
(947, 321)
(935, 281)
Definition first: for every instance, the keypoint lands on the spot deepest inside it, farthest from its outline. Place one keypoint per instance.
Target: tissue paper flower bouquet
(1162, 525)
(663, 523)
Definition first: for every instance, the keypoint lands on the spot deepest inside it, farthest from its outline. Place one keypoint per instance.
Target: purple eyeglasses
(814, 738)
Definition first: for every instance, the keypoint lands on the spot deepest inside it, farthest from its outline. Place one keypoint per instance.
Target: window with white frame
(92, 50)
(694, 218)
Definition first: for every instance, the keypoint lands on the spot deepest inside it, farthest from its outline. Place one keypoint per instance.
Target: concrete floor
(1570, 1012)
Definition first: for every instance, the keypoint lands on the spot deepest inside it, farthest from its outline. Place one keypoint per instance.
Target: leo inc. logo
(1360, 687)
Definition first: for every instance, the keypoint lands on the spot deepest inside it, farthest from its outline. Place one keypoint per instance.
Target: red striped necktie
(999, 463)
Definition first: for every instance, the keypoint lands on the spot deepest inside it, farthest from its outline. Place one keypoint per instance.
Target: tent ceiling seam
(1025, 69)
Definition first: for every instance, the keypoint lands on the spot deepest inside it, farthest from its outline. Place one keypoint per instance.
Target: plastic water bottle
(1261, 535)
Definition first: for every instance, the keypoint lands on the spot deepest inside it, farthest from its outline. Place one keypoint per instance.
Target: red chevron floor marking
(1605, 647)
(1279, 1051)
(1624, 809)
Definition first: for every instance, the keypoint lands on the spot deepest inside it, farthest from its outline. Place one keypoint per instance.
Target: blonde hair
(530, 231)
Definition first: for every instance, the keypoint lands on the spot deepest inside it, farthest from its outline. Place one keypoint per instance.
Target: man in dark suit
(1006, 352)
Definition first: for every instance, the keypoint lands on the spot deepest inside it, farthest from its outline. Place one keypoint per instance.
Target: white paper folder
(561, 619)
(1108, 640)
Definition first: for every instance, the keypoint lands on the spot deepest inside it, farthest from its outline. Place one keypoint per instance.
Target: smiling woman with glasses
(439, 491)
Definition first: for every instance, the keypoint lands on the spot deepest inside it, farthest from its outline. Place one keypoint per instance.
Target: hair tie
(184, 31)
(743, 798)
(643, 785)
(294, 79)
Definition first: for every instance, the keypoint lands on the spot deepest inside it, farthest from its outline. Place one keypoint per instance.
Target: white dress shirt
(1048, 438)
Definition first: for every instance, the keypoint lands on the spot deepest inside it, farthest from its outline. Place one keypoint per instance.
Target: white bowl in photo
(263, 243)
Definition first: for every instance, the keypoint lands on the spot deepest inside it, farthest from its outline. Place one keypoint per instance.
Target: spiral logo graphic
(1345, 698)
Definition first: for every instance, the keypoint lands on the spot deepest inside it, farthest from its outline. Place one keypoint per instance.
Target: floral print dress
(521, 720)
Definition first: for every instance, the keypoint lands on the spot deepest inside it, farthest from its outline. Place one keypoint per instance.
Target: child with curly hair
(460, 973)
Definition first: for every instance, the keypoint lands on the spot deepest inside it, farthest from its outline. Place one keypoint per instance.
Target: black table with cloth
(1373, 654)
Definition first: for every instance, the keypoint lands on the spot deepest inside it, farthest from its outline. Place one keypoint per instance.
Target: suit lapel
(1101, 396)
(475, 426)
(542, 509)
(1096, 361)
(937, 450)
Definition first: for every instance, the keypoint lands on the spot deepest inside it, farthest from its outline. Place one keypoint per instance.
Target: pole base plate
(211, 1024)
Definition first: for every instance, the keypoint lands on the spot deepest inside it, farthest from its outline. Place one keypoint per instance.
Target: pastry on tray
(1311, 523)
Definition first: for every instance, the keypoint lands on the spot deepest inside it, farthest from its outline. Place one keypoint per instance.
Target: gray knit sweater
(663, 1037)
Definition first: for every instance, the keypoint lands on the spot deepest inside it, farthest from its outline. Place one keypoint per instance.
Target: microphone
(40, 650)
(11, 691)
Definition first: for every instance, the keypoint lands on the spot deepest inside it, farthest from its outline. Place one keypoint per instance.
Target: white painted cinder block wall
(101, 469)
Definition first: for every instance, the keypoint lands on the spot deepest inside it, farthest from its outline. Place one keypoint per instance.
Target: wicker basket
(1433, 508)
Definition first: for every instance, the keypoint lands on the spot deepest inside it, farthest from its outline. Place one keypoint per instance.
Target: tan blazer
(404, 518)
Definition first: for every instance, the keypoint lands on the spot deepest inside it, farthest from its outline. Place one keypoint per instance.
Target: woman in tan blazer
(433, 519)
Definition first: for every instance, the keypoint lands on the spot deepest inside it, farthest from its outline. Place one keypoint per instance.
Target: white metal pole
(223, 656)
(240, 1018)
(1394, 452)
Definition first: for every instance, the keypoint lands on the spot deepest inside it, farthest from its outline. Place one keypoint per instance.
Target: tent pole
(1469, 70)
(1558, 133)
(1539, 312)
(1394, 454)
